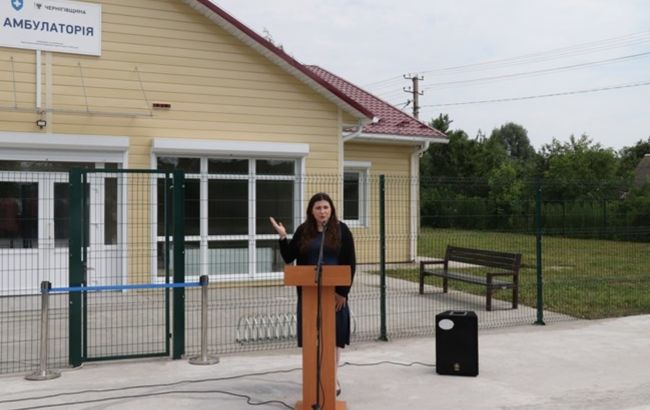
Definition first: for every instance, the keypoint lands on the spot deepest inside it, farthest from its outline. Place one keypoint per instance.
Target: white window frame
(206, 149)
(56, 147)
(363, 169)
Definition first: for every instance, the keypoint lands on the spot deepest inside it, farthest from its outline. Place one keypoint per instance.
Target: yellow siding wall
(218, 88)
(17, 86)
(163, 51)
(393, 161)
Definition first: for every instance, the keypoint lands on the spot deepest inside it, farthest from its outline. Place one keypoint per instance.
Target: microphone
(319, 264)
(319, 269)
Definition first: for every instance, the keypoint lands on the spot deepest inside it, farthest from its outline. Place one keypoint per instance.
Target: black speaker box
(457, 343)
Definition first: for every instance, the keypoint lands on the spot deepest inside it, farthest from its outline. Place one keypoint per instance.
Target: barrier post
(204, 358)
(43, 373)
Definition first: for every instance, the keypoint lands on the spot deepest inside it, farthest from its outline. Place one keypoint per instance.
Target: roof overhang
(279, 57)
(399, 139)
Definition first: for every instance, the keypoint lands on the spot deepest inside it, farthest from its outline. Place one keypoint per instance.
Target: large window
(228, 202)
(18, 214)
(26, 184)
(35, 209)
(355, 193)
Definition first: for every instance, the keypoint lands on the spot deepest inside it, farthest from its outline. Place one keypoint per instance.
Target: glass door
(34, 225)
(20, 231)
(106, 246)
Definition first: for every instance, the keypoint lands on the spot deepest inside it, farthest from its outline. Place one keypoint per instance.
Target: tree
(462, 157)
(506, 192)
(514, 139)
(630, 156)
(447, 160)
(581, 169)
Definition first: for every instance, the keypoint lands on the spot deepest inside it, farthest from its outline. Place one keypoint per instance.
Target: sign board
(51, 25)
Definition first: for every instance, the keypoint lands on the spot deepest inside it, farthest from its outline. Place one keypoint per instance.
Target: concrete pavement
(603, 364)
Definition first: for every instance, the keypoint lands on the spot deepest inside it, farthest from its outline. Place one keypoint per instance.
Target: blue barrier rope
(123, 287)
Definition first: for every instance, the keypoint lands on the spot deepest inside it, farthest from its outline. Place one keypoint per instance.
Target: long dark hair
(332, 237)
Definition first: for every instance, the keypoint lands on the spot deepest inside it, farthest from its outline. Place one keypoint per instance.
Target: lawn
(586, 278)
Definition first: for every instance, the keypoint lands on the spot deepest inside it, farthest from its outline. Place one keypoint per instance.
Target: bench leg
(444, 285)
(421, 283)
(515, 297)
(488, 299)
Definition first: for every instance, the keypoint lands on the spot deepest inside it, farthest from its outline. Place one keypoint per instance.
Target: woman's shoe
(338, 389)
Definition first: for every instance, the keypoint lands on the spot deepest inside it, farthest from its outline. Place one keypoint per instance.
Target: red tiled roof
(391, 120)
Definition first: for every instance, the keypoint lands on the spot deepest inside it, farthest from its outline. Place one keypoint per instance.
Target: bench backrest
(493, 259)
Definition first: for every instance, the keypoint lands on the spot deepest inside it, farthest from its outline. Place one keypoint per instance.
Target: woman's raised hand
(279, 228)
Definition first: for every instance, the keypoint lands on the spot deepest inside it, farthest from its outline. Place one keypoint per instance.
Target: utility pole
(415, 90)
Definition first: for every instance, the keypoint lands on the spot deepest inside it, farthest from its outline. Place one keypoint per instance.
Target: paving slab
(602, 364)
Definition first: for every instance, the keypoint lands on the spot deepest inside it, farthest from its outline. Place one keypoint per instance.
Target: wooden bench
(507, 263)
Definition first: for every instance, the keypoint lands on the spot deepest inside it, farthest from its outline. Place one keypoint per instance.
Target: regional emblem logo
(17, 4)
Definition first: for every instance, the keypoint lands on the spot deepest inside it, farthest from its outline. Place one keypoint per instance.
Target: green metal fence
(586, 256)
(582, 258)
(120, 324)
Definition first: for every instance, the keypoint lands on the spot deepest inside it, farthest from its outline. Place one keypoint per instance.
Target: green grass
(584, 278)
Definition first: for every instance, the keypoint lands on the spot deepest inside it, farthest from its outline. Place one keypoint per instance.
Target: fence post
(538, 251)
(203, 358)
(43, 373)
(382, 258)
(76, 268)
(178, 205)
(563, 218)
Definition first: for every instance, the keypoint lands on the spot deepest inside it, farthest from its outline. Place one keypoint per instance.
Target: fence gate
(126, 227)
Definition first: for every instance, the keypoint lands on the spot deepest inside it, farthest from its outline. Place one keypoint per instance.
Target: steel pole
(43, 373)
(203, 358)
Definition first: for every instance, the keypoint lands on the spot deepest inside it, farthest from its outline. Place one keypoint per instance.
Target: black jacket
(290, 250)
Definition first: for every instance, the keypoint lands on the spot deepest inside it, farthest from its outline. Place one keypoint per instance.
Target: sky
(482, 50)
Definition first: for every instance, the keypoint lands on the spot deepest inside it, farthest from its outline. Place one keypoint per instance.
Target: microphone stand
(318, 280)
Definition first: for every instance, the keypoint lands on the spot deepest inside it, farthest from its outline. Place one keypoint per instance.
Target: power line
(447, 84)
(542, 71)
(391, 93)
(582, 48)
(538, 57)
(394, 93)
(403, 104)
(383, 81)
(530, 97)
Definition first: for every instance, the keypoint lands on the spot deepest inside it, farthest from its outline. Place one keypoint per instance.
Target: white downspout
(415, 197)
(345, 138)
(358, 130)
(353, 134)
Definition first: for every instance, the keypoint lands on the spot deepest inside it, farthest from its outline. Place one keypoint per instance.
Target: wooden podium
(305, 276)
